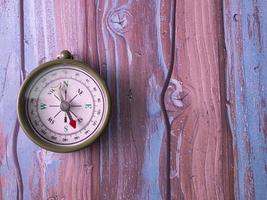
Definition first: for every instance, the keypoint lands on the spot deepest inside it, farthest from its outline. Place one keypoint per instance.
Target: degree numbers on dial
(65, 105)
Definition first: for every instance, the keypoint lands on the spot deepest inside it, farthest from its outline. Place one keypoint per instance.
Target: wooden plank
(34, 162)
(200, 140)
(131, 45)
(245, 25)
(49, 28)
(133, 153)
(126, 46)
(11, 186)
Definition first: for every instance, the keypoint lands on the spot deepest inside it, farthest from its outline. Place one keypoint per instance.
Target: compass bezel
(21, 106)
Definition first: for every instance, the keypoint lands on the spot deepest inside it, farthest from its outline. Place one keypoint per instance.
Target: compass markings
(57, 114)
(80, 91)
(76, 106)
(66, 128)
(88, 105)
(43, 106)
(51, 91)
(73, 98)
(54, 105)
(50, 120)
(53, 137)
(90, 125)
(66, 83)
(74, 114)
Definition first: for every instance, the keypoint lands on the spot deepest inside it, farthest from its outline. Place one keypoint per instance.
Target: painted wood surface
(166, 64)
(246, 46)
(201, 142)
(10, 78)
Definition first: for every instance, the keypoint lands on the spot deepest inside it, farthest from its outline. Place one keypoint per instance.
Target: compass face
(65, 105)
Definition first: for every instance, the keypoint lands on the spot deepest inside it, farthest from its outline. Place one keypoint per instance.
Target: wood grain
(11, 186)
(124, 162)
(201, 144)
(131, 151)
(245, 24)
(49, 28)
(174, 69)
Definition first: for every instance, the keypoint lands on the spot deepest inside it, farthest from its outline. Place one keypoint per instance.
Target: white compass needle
(60, 93)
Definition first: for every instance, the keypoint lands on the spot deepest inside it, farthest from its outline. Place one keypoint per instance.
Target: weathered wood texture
(165, 64)
(201, 142)
(10, 78)
(126, 48)
(246, 45)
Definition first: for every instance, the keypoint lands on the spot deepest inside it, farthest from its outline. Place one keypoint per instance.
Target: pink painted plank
(201, 163)
(133, 152)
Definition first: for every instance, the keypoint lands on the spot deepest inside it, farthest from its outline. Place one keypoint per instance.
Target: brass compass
(63, 105)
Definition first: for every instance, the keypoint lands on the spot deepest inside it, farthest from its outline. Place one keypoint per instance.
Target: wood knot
(176, 98)
(177, 95)
(119, 20)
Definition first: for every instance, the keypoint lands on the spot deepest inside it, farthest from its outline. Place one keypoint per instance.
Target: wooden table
(188, 83)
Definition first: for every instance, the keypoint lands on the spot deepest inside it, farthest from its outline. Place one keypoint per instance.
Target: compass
(63, 105)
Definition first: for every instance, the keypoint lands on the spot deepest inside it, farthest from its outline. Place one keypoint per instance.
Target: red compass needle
(73, 123)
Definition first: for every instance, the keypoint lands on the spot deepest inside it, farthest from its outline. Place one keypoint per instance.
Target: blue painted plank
(246, 45)
(39, 45)
(11, 186)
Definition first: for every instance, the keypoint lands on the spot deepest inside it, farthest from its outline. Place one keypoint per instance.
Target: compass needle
(60, 93)
(72, 122)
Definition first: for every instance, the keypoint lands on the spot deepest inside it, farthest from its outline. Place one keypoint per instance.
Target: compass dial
(65, 105)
